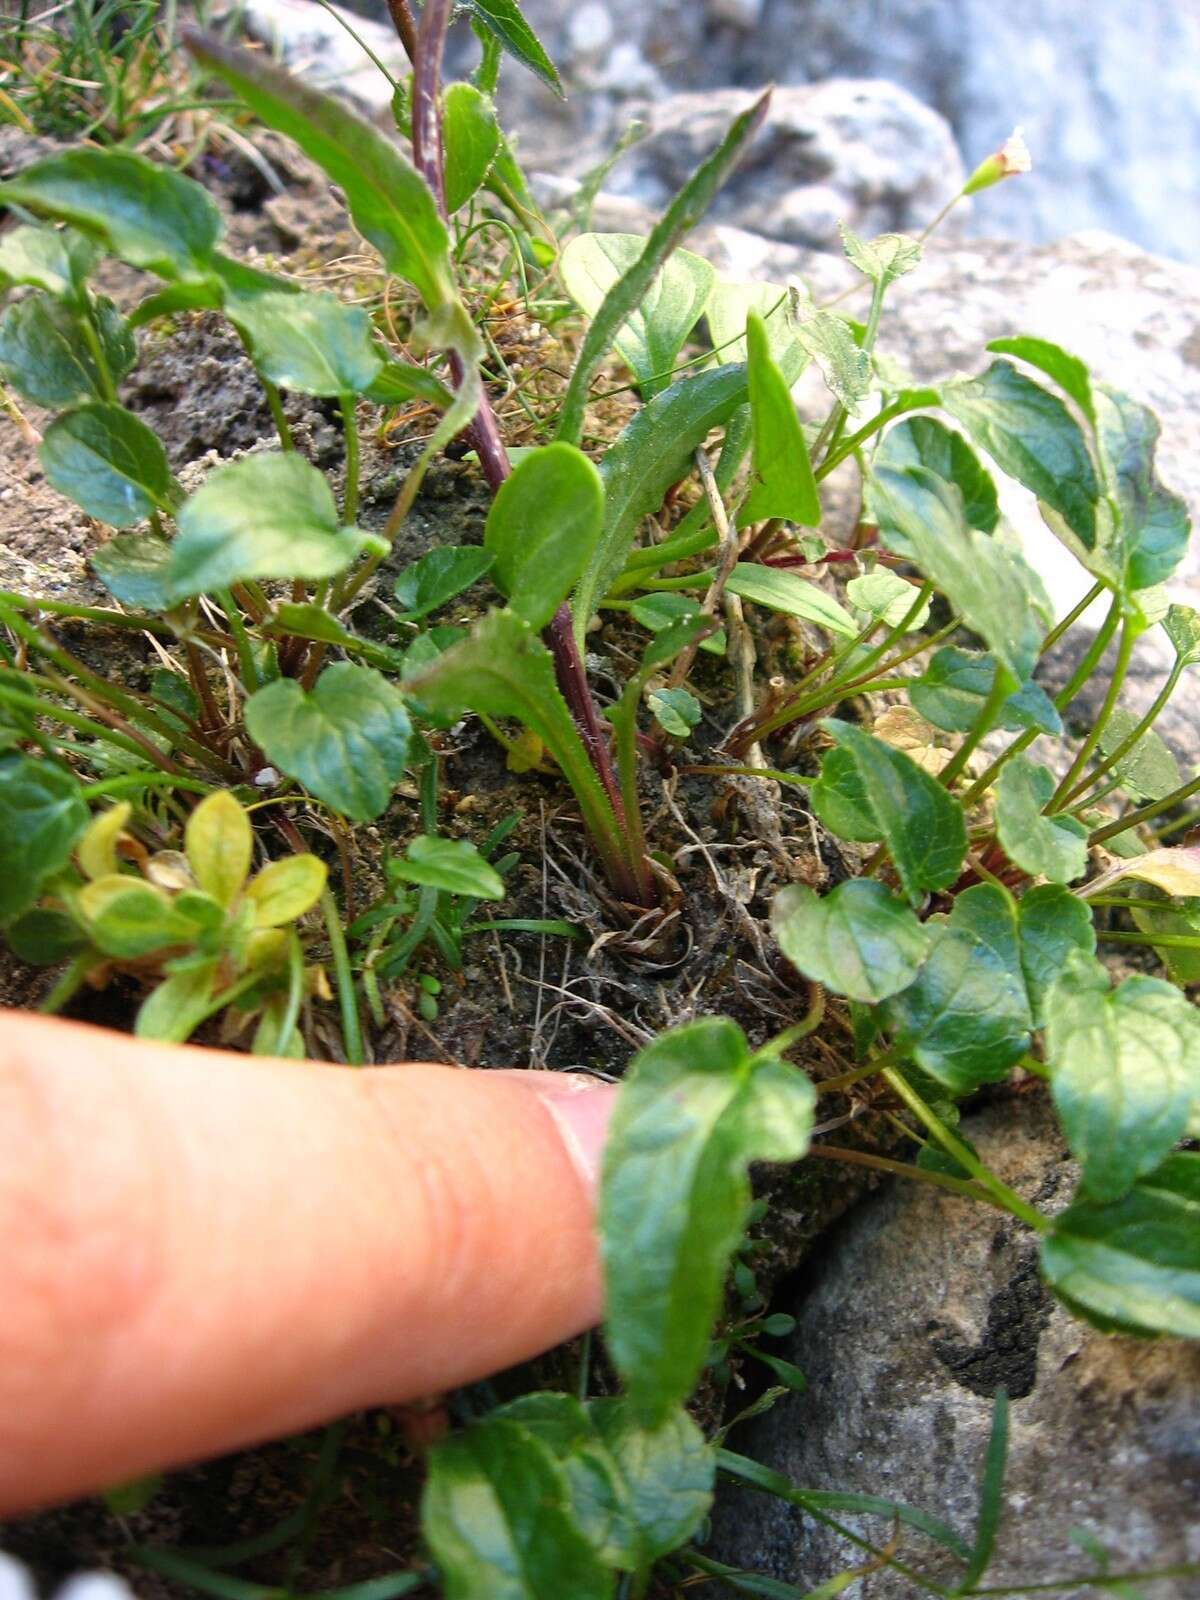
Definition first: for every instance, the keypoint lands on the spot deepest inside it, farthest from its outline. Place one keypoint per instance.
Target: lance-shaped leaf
(653, 453)
(1133, 1264)
(1053, 924)
(390, 202)
(108, 461)
(543, 527)
(399, 381)
(311, 342)
(778, 589)
(437, 576)
(454, 866)
(1125, 1070)
(503, 670)
(148, 215)
(1030, 434)
(346, 741)
(496, 1515)
(783, 484)
(1052, 847)
(966, 1019)
(45, 354)
(652, 338)
(985, 580)
(471, 136)
(267, 516)
(695, 1109)
(921, 823)
(926, 442)
(623, 299)
(504, 19)
(858, 940)
(952, 690)
(58, 260)
(882, 259)
(219, 845)
(42, 814)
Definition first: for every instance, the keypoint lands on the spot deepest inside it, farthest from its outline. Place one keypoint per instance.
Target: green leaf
(1153, 526)
(1125, 1070)
(1182, 627)
(829, 341)
(133, 568)
(438, 576)
(1053, 924)
(502, 669)
(107, 461)
(346, 741)
(985, 580)
(127, 917)
(1148, 771)
(44, 938)
(839, 799)
(1175, 869)
(42, 814)
(627, 294)
(285, 890)
(858, 940)
(454, 866)
(952, 690)
(783, 484)
(728, 308)
(926, 442)
(310, 342)
(1068, 371)
(503, 18)
(1031, 435)
(270, 515)
(965, 1021)
(883, 259)
(1052, 847)
(1133, 1264)
(883, 595)
(693, 1111)
(147, 215)
(675, 710)
(219, 843)
(543, 527)
(390, 203)
(496, 1515)
(921, 823)
(779, 589)
(44, 354)
(650, 341)
(652, 454)
(471, 136)
(399, 381)
(659, 611)
(58, 260)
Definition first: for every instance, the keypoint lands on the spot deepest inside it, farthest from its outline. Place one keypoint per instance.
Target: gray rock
(919, 1306)
(317, 43)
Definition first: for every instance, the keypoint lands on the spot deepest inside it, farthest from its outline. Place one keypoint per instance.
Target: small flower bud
(1009, 161)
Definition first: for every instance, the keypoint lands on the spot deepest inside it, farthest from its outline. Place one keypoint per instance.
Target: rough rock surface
(918, 1307)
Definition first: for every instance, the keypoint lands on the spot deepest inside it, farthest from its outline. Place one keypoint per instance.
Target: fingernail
(581, 1107)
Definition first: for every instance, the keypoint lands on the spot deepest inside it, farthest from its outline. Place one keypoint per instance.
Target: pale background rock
(919, 1305)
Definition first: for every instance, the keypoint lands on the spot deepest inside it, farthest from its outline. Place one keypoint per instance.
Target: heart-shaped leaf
(107, 461)
(42, 814)
(1125, 1071)
(311, 342)
(882, 259)
(883, 595)
(694, 1110)
(728, 308)
(956, 684)
(1182, 626)
(134, 569)
(781, 590)
(1052, 847)
(543, 527)
(148, 215)
(1053, 924)
(858, 940)
(45, 355)
(58, 260)
(346, 741)
(267, 516)
(1068, 371)
(652, 338)
(1147, 770)
(438, 576)
(926, 442)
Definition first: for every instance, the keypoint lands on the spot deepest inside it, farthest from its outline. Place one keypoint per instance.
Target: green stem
(1071, 618)
(1129, 637)
(1115, 757)
(1003, 685)
(1061, 700)
(112, 619)
(108, 388)
(69, 984)
(904, 1169)
(350, 432)
(71, 719)
(1133, 818)
(1008, 1198)
(241, 639)
(857, 440)
(344, 978)
(1173, 941)
(131, 782)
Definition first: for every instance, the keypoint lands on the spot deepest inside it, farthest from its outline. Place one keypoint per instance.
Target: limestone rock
(917, 1308)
